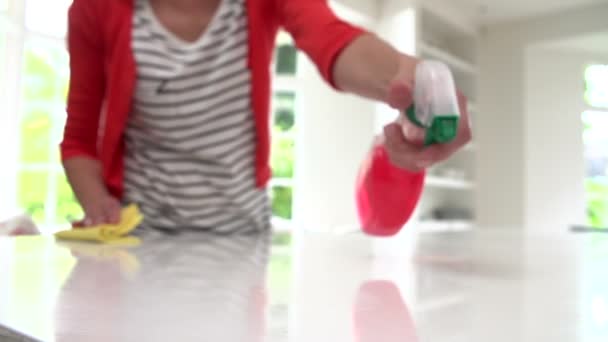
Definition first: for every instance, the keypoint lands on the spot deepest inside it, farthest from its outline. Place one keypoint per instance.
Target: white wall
(335, 132)
(397, 25)
(501, 135)
(554, 160)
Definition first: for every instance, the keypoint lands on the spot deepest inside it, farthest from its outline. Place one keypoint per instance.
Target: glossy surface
(491, 286)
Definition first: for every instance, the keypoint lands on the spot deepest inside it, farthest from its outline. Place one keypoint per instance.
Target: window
(595, 121)
(41, 187)
(596, 81)
(286, 59)
(47, 17)
(283, 154)
(283, 131)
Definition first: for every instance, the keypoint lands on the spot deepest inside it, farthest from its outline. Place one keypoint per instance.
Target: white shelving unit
(440, 303)
(446, 225)
(448, 183)
(444, 38)
(453, 61)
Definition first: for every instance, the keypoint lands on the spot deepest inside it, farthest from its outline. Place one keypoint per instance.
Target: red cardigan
(103, 72)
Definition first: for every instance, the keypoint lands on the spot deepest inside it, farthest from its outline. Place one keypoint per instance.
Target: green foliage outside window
(286, 60)
(44, 90)
(283, 152)
(282, 202)
(596, 145)
(597, 202)
(36, 130)
(32, 189)
(282, 159)
(284, 116)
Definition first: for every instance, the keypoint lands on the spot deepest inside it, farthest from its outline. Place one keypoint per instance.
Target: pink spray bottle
(387, 195)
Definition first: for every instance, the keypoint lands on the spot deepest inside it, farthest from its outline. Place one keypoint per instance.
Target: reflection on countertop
(485, 286)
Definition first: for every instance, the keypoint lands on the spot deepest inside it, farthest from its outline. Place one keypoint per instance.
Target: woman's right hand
(101, 210)
(100, 207)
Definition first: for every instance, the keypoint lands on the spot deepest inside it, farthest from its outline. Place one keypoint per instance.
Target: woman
(169, 104)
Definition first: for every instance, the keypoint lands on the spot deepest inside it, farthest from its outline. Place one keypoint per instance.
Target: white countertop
(495, 286)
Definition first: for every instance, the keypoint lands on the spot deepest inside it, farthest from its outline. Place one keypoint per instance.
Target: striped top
(190, 140)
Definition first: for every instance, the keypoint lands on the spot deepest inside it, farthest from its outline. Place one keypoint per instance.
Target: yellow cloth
(130, 217)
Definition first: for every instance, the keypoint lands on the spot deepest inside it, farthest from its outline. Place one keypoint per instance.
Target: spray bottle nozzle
(435, 103)
(443, 130)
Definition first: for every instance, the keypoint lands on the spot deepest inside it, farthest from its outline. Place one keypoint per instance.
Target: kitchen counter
(487, 286)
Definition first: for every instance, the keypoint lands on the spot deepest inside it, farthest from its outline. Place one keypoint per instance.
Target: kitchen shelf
(440, 303)
(447, 57)
(450, 183)
(445, 225)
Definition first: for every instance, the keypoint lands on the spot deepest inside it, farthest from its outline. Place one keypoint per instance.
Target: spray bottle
(386, 194)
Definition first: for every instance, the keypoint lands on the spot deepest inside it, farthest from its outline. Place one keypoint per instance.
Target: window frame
(285, 84)
(12, 30)
(588, 105)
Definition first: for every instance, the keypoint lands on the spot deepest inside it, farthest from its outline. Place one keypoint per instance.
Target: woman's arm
(372, 68)
(87, 80)
(317, 32)
(356, 61)
(369, 66)
(85, 99)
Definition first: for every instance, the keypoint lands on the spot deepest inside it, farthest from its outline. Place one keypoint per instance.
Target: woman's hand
(101, 210)
(100, 207)
(410, 153)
